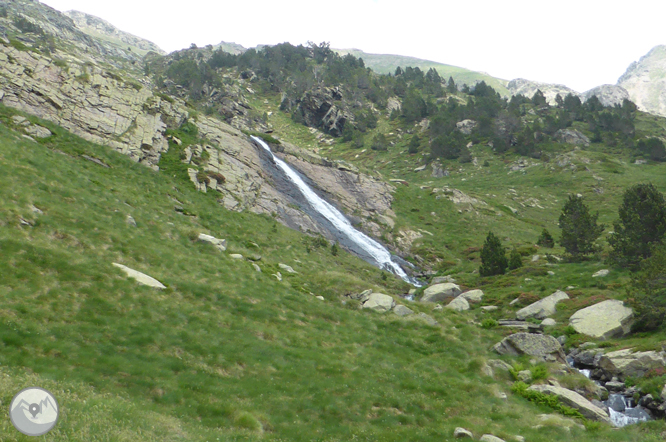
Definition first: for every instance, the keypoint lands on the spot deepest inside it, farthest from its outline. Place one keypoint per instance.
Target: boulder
(141, 278)
(572, 136)
(220, 244)
(530, 344)
(440, 292)
(574, 400)
(460, 433)
(472, 296)
(236, 256)
(466, 126)
(379, 302)
(428, 319)
(604, 320)
(286, 268)
(38, 131)
(548, 322)
(489, 308)
(442, 279)
(601, 273)
(543, 308)
(627, 363)
(490, 438)
(588, 358)
(459, 304)
(401, 310)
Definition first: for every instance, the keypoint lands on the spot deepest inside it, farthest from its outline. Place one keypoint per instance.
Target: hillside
(645, 80)
(265, 328)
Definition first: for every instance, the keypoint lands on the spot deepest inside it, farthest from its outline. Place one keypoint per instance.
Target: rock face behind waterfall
(323, 108)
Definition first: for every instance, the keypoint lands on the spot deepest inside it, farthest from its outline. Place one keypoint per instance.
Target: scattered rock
(525, 376)
(38, 131)
(130, 221)
(490, 438)
(489, 308)
(379, 302)
(535, 258)
(321, 298)
(459, 304)
(548, 322)
(438, 308)
(277, 275)
(420, 168)
(574, 400)
(472, 296)
(96, 161)
(440, 292)
(604, 320)
(286, 268)
(466, 126)
(601, 273)
(401, 310)
(530, 344)
(572, 136)
(627, 363)
(460, 433)
(428, 319)
(141, 278)
(442, 279)
(236, 256)
(220, 244)
(256, 267)
(542, 308)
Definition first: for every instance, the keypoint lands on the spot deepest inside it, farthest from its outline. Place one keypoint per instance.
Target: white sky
(579, 43)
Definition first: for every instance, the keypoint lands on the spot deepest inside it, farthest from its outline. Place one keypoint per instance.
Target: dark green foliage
(379, 142)
(648, 294)
(546, 240)
(521, 389)
(579, 228)
(493, 257)
(414, 144)
(335, 249)
(448, 146)
(451, 86)
(641, 225)
(3, 11)
(25, 25)
(515, 261)
(653, 148)
(539, 99)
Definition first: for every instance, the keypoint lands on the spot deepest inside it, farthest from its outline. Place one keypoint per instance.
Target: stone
(38, 131)
(287, 268)
(490, 438)
(20, 121)
(572, 136)
(459, 304)
(220, 244)
(588, 357)
(256, 267)
(460, 433)
(236, 256)
(428, 319)
(604, 320)
(438, 308)
(535, 258)
(141, 278)
(498, 364)
(525, 376)
(627, 363)
(601, 273)
(130, 221)
(543, 308)
(472, 296)
(574, 400)
(277, 275)
(663, 394)
(466, 126)
(440, 292)
(321, 298)
(530, 344)
(548, 322)
(379, 302)
(442, 279)
(616, 402)
(519, 438)
(401, 310)
(489, 308)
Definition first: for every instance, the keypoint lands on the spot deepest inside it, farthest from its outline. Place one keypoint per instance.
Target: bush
(649, 292)
(493, 258)
(546, 240)
(379, 142)
(579, 228)
(489, 323)
(515, 260)
(335, 249)
(641, 226)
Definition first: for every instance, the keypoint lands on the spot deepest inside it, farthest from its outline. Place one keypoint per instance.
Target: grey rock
(130, 221)
(490, 438)
(236, 256)
(645, 81)
(428, 319)
(574, 400)
(38, 131)
(220, 244)
(461, 433)
(401, 310)
(256, 267)
(321, 298)
(489, 308)
(530, 344)
(601, 273)
(472, 296)
(141, 278)
(542, 308)
(589, 358)
(379, 302)
(440, 292)
(525, 376)
(459, 304)
(604, 320)
(438, 308)
(627, 363)
(466, 126)
(572, 136)
(442, 279)
(608, 94)
(286, 268)
(548, 322)
(616, 402)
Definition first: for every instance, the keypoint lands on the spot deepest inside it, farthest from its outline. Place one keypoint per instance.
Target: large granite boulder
(604, 320)
(459, 304)
(440, 292)
(543, 308)
(379, 302)
(572, 136)
(574, 400)
(530, 344)
(627, 363)
(472, 296)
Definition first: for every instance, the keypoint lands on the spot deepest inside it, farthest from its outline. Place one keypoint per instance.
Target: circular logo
(34, 411)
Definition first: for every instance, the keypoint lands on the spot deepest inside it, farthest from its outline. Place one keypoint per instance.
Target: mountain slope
(645, 80)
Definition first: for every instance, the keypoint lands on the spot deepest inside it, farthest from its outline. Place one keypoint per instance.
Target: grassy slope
(224, 352)
(386, 63)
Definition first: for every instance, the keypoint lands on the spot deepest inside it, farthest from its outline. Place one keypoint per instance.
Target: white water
(375, 250)
(623, 418)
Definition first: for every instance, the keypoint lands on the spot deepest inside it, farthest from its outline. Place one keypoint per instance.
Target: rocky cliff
(608, 94)
(645, 81)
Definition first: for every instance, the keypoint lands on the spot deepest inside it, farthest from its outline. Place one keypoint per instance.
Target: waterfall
(366, 247)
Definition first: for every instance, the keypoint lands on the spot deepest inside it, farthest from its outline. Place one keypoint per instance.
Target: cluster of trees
(637, 243)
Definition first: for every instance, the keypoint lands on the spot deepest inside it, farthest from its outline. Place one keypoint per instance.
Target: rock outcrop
(608, 94)
(572, 136)
(542, 308)
(528, 88)
(627, 363)
(645, 81)
(322, 108)
(604, 320)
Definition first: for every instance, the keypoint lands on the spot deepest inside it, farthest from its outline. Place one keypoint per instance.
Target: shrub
(379, 142)
(489, 323)
(335, 249)
(546, 240)
(493, 258)
(218, 177)
(515, 260)
(579, 228)
(649, 292)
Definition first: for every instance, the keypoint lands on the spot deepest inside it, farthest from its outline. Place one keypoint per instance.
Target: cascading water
(366, 247)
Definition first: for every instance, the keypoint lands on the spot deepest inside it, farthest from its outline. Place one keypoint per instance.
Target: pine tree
(414, 144)
(579, 228)
(649, 292)
(642, 224)
(515, 260)
(546, 240)
(493, 258)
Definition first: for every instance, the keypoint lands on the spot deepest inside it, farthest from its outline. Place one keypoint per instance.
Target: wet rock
(616, 402)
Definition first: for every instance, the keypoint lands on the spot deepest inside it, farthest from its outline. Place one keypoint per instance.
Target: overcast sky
(581, 43)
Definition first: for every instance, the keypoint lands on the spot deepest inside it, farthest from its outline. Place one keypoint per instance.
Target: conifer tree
(579, 228)
(493, 257)
(515, 260)
(546, 240)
